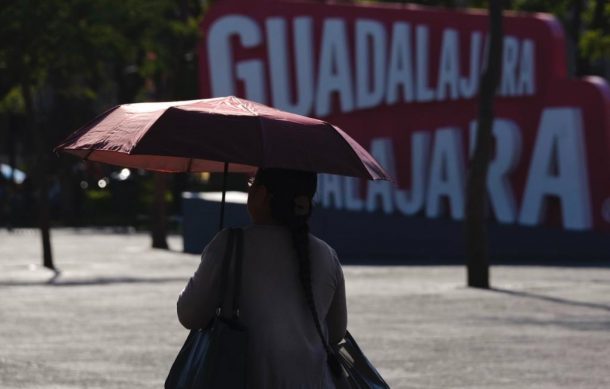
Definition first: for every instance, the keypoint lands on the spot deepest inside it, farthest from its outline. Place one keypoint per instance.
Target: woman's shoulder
(321, 246)
(326, 258)
(319, 242)
(217, 243)
(221, 236)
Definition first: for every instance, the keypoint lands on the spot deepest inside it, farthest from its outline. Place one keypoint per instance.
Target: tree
(587, 23)
(35, 53)
(594, 41)
(63, 61)
(170, 73)
(476, 185)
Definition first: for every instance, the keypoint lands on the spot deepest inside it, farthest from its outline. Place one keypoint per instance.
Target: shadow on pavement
(461, 262)
(53, 281)
(551, 299)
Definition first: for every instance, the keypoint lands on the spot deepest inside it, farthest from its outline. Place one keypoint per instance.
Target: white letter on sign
(370, 46)
(351, 193)
(330, 190)
(277, 55)
(449, 68)
(400, 68)
(409, 202)
(509, 66)
(525, 84)
(222, 73)
(424, 92)
(469, 86)
(446, 174)
(508, 152)
(334, 73)
(559, 169)
(381, 150)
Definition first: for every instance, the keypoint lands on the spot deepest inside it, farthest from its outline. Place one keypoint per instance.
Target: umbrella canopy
(204, 135)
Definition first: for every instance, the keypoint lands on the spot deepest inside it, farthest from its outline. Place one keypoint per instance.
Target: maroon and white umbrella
(203, 135)
(219, 134)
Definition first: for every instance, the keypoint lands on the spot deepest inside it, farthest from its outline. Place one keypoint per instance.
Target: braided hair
(291, 204)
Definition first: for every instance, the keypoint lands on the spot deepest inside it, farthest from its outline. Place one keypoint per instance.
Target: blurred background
(62, 62)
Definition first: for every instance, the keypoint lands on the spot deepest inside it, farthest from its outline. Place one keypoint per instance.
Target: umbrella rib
(355, 155)
(261, 130)
(245, 106)
(134, 148)
(89, 152)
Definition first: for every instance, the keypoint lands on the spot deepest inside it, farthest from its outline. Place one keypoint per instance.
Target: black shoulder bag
(215, 357)
(350, 367)
(357, 369)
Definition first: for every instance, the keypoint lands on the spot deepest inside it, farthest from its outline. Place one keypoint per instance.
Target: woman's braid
(284, 188)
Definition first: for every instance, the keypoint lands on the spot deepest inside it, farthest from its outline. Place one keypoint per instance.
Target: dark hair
(291, 202)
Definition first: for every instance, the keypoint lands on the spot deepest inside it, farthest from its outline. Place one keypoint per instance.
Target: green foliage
(12, 102)
(587, 30)
(595, 44)
(84, 50)
(79, 57)
(431, 3)
(64, 61)
(558, 7)
(595, 41)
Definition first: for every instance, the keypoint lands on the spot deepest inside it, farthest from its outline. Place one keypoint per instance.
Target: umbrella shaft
(224, 192)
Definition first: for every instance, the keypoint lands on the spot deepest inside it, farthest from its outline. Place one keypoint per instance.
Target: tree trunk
(599, 19)
(159, 213)
(44, 220)
(40, 177)
(476, 188)
(12, 148)
(580, 64)
(12, 161)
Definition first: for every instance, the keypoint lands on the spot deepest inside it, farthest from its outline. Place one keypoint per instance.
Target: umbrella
(219, 134)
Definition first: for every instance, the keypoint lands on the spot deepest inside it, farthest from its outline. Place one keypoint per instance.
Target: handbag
(215, 357)
(357, 369)
(350, 367)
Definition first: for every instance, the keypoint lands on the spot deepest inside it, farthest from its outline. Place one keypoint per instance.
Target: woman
(289, 276)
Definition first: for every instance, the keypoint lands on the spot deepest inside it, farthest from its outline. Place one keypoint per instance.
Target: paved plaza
(108, 319)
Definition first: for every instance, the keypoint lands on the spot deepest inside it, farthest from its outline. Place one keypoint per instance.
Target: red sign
(403, 80)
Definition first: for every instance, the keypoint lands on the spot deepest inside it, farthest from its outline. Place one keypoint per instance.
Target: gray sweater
(284, 348)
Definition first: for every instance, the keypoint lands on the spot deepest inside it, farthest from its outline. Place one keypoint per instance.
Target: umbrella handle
(224, 191)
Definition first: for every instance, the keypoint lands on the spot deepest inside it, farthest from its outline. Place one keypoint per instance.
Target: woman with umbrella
(293, 300)
(292, 282)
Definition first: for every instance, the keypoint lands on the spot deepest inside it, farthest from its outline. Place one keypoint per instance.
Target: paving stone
(108, 320)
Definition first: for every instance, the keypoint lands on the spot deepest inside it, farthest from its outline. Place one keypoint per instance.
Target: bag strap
(331, 357)
(225, 269)
(239, 256)
(235, 243)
